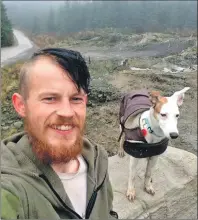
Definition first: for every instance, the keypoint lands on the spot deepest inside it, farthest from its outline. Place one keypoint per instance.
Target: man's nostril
(174, 135)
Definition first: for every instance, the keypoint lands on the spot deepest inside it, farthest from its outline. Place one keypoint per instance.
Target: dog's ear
(179, 95)
(154, 96)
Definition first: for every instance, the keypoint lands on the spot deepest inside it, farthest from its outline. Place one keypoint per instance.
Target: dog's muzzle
(143, 150)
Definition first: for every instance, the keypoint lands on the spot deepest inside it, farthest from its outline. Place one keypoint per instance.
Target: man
(51, 171)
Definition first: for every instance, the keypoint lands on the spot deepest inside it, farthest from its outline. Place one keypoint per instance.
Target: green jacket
(32, 190)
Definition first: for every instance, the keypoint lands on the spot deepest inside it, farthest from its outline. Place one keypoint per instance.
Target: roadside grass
(107, 37)
(10, 77)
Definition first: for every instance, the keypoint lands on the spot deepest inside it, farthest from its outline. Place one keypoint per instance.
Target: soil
(124, 50)
(102, 115)
(103, 126)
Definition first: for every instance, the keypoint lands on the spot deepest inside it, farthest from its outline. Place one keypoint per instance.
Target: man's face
(55, 112)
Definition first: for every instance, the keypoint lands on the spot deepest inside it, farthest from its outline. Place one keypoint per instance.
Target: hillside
(7, 37)
(111, 79)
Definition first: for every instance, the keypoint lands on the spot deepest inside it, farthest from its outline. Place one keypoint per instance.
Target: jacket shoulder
(10, 205)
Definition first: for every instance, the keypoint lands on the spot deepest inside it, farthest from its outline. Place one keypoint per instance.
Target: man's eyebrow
(78, 93)
(48, 94)
(43, 94)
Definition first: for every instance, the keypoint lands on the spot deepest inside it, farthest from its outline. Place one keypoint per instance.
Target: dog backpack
(131, 105)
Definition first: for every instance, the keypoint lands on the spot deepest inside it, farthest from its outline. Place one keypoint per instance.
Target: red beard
(50, 154)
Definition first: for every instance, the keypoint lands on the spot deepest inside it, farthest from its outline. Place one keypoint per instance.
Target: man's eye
(49, 98)
(77, 99)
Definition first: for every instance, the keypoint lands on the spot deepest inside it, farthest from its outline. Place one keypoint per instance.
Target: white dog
(155, 124)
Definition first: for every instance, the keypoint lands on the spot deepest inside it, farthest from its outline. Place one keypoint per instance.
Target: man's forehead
(44, 63)
(50, 77)
(46, 68)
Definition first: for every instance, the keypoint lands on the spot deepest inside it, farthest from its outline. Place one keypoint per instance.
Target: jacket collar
(95, 157)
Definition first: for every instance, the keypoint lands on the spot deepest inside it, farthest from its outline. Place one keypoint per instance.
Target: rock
(175, 183)
(90, 104)
(166, 70)
(4, 109)
(137, 68)
(5, 128)
(100, 95)
(18, 124)
(124, 62)
(10, 122)
(108, 98)
(95, 38)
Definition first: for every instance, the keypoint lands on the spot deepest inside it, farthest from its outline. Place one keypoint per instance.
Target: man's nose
(174, 135)
(65, 109)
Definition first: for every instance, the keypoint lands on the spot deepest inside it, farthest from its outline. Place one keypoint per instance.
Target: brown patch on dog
(154, 96)
(154, 93)
(158, 106)
(157, 101)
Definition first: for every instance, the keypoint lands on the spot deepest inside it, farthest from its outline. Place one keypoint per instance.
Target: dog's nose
(174, 135)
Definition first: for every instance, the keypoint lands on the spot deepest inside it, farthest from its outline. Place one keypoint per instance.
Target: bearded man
(51, 171)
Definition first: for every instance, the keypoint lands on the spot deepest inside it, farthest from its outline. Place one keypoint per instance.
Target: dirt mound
(167, 84)
(111, 79)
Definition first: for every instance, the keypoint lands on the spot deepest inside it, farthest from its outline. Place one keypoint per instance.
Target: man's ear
(19, 104)
(179, 95)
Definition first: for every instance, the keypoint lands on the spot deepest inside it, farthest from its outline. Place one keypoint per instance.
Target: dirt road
(21, 50)
(124, 50)
(103, 125)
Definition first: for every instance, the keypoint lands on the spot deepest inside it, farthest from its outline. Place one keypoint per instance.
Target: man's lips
(63, 129)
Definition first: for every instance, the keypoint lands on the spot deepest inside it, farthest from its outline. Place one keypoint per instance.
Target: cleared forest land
(119, 63)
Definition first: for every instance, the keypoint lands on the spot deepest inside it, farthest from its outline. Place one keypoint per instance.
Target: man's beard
(49, 154)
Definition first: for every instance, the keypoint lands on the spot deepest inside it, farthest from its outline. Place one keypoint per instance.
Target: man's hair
(69, 60)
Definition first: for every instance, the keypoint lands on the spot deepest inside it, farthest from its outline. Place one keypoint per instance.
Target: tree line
(7, 38)
(139, 16)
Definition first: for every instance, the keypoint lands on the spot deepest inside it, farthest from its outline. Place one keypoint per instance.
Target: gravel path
(22, 49)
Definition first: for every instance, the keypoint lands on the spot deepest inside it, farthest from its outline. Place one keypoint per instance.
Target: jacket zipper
(90, 203)
(62, 202)
(93, 200)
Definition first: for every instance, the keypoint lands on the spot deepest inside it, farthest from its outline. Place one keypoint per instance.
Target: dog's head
(166, 111)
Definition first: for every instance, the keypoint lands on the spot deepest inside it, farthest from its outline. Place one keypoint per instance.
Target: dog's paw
(131, 194)
(150, 190)
(121, 153)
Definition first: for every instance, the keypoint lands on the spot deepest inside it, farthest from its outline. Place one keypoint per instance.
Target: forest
(7, 38)
(62, 17)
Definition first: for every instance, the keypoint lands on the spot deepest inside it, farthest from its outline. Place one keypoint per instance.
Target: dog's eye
(163, 115)
(177, 116)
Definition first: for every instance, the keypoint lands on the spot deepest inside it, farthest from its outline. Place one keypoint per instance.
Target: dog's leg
(148, 176)
(121, 150)
(131, 181)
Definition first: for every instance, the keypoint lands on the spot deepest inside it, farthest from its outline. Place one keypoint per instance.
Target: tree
(51, 26)
(7, 37)
(36, 25)
(71, 16)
